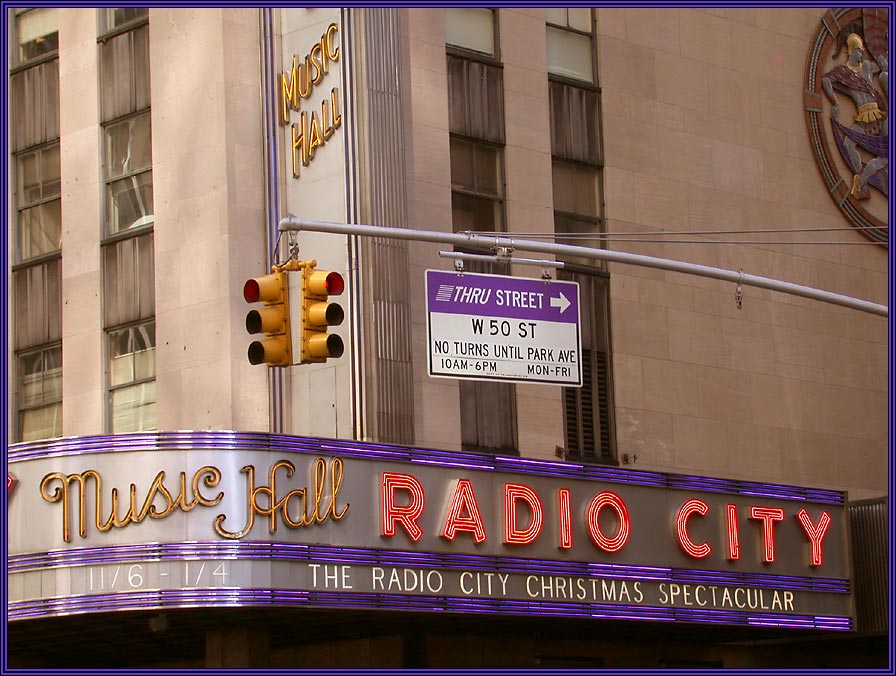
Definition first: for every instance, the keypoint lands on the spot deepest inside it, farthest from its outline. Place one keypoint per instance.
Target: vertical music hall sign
(316, 122)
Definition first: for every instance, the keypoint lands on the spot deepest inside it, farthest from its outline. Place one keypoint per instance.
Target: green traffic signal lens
(256, 352)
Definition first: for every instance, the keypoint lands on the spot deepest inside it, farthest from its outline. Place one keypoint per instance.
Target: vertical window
(576, 148)
(37, 225)
(487, 409)
(129, 173)
(586, 409)
(120, 16)
(128, 316)
(577, 176)
(471, 28)
(476, 124)
(577, 201)
(570, 52)
(39, 217)
(40, 393)
(127, 129)
(132, 373)
(37, 33)
(38, 336)
(476, 186)
(128, 251)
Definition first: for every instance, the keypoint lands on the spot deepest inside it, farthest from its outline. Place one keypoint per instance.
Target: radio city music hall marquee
(179, 518)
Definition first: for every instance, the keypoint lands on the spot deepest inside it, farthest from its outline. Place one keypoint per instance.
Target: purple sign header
(500, 296)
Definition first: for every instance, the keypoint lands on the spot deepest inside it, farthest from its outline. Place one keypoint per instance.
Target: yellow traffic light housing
(318, 314)
(272, 320)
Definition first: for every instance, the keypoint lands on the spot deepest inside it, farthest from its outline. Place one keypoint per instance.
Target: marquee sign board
(499, 328)
(175, 519)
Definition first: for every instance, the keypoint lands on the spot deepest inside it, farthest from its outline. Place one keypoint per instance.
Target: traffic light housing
(318, 314)
(272, 320)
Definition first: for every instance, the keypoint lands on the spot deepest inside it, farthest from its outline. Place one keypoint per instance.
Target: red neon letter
(608, 499)
(565, 519)
(408, 514)
(681, 528)
(815, 533)
(768, 515)
(513, 535)
(733, 539)
(463, 499)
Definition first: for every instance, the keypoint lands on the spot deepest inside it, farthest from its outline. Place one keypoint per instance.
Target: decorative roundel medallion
(847, 114)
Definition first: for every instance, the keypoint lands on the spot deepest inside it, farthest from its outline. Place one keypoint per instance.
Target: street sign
(507, 329)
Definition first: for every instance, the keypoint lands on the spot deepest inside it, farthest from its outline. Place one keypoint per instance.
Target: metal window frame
(598, 281)
(472, 54)
(20, 408)
(592, 35)
(105, 33)
(498, 199)
(107, 235)
(17, 65)
(107, 367)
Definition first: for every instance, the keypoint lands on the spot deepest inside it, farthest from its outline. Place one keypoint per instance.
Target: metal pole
(504, 241)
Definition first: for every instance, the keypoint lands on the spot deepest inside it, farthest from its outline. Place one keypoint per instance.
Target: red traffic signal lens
(335, 284)
(251, 291)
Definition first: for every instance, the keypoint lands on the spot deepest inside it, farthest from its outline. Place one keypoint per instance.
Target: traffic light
(318, 315)
(272, 320)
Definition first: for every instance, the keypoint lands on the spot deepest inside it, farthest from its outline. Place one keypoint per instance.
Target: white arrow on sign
(562, 302)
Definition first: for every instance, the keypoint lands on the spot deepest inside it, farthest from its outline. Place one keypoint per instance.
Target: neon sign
(157, 519)
(312, 130)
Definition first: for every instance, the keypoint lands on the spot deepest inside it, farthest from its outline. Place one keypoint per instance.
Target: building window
(477, 186)
(40, 393)
(127, 129)
(37, 226)
(37, 33)
(129, 173)
(38, 334)
(577, 200)
(476, 125)
(577, 166)
(128, 316)
(577, 177)
(132, 373)
(128, 251)
(569, 46)
(116, 17)
(487, 409)
(586, 409)
(575, 123)
(475, 99)
(471, 28)
(488, 417)
(38, 204)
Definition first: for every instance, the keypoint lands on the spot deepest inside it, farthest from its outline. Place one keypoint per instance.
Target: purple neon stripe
(443, 463)
(299, 551)
(232, 596)
(231, 440)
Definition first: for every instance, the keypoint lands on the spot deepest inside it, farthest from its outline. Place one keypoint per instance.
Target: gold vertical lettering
(318, 69)
(334, 107)
(305, 78)
(249, 471)
(332, 54)
(337, 471)
(289, 91)
(326, 126)
(314, 133)
(299, 145)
